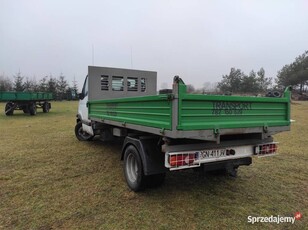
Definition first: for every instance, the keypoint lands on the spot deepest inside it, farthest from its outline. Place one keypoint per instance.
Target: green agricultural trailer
(28, 102)
(175, 130)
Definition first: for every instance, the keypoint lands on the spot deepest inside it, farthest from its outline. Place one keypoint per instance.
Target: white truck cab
(83, 126)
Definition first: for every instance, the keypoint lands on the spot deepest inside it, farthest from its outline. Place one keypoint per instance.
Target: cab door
(83, 111)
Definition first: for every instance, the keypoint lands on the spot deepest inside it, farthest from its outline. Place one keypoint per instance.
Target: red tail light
(181, 160)
(266, 149)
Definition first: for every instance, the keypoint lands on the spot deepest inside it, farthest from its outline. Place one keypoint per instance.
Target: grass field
(49, 180)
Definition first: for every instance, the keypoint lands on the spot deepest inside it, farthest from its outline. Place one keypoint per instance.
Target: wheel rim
(132, 167)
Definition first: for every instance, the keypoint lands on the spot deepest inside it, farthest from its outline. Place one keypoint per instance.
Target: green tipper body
(182, 112)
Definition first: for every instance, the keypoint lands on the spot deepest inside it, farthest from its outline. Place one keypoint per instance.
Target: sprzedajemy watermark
(274, 219)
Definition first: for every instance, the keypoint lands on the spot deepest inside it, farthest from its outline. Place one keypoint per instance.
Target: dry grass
(49, 180)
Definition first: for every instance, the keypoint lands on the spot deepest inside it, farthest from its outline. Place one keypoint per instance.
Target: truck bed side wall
(151, 111)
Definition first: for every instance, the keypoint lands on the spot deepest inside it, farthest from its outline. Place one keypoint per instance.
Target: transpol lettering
(230, 108)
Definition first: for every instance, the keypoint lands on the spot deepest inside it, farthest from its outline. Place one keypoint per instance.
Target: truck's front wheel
(133, 169)
(80, 134)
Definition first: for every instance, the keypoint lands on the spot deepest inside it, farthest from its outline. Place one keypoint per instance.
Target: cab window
(85, 87)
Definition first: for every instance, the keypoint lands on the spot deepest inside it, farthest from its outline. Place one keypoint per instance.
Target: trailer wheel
(32, 108)
(80, 134)
(9, 109)
(133, 169)
(46, 107)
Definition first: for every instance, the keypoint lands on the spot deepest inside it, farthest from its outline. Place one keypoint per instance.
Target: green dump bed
(24, 96)
(206, 117)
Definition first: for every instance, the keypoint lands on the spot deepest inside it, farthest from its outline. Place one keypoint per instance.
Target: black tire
(46, 107)
(9, 109)
(80, 134)
(133, 169)
(156, 180)
(32, 109)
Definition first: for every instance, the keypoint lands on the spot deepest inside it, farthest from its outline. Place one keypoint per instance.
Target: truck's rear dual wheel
(80, 134)
(133, 171)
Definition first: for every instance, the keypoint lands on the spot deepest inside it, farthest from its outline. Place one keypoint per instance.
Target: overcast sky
(198, 40)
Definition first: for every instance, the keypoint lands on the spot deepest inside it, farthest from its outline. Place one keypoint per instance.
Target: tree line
(239, 82)
(294, 74)
(59, 87)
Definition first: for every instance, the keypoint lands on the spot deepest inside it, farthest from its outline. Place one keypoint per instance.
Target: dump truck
(28, 102)
(175, 130)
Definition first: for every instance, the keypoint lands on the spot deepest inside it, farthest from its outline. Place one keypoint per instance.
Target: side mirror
(81, 96)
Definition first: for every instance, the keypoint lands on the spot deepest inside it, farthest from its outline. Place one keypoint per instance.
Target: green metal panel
(7, 96)
(39, 96)
(151, 111)
(202, 112)
(24, 96)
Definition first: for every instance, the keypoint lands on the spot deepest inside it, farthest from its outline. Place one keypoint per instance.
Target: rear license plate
(212, 153)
